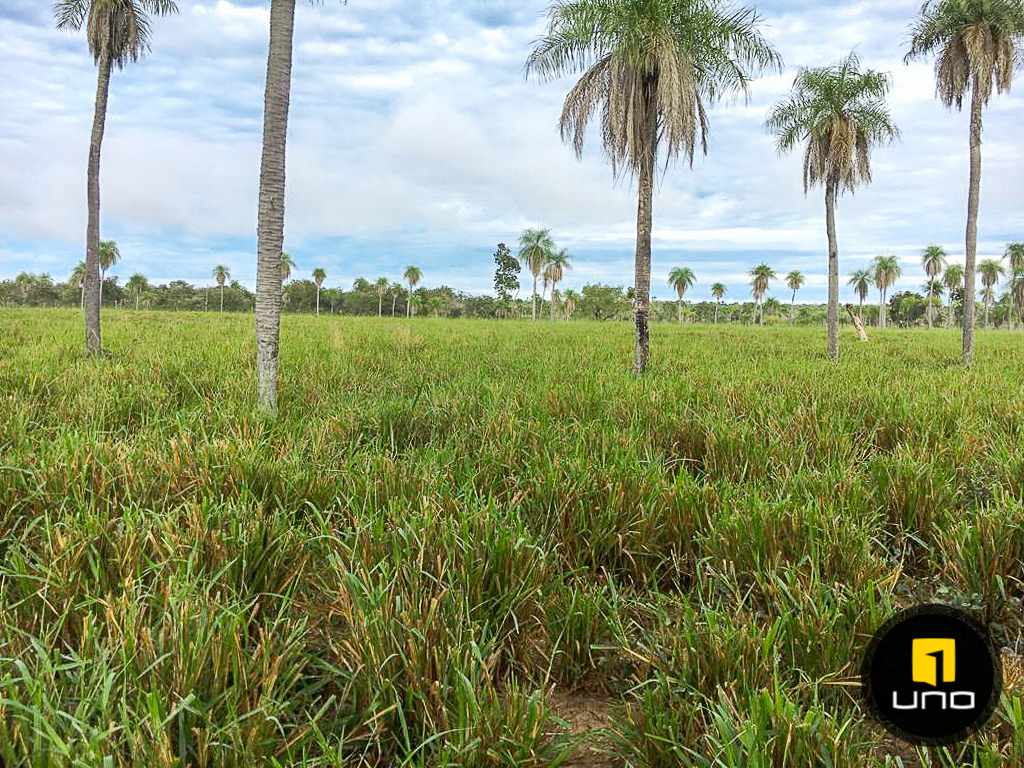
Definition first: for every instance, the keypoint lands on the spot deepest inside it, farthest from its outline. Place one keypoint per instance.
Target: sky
(415, 138)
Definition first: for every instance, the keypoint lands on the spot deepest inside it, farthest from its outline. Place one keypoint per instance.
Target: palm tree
(681, 279)
(990, 271)
(109, 256)
(570, 300)
(395, 290)
(554, 272)
(221, 274)
(839, 112)
(287, 264)
(1015, 269)
(382, 285)
(933, 259)
(978, 44)
(117, 32)
(860, 281)
(77, 279)
(413, 276)
(718, 292)
(761, 276)
(652, 68)
(794, 281)
(887, 272)
(136, 285)
(952, 278)
(933, 290)
(319, 275)
(535, 248)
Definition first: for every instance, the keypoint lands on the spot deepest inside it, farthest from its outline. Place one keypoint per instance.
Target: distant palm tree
(651, 68)
(535, 248)
(933, 259)
(794, 281)
(1015, 269)
(934, 290)
(287, 267)
(681, 279)
(319, 276)
(718, 291)
(117, 32)
(887, 272)
(136, 285)
(978, 43)
(109, 256)
(990, 271)
(761, 276)
(860, 281)
(570, 300)
(953, 279)
(221, 274)
(78, 280)
(839, 112)
(382, 285)
(395, 290)
(554, 272)
(413, 276)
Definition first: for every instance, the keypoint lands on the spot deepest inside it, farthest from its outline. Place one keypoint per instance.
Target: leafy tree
(652, 68)
(506, 273)
(990, 271)
(535, 248)
(681, 279)
(221, 274)
(794, 281)
(138, 284)
(906, 308)
(978, 44)
(117, 32)
(761, 277)
(860, 281)
(838, 113)
(413, 276)
(887, 271)
(603, 302)
(953, 279)
(933, 259)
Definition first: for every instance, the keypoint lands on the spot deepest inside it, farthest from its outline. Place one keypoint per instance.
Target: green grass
(451, 520)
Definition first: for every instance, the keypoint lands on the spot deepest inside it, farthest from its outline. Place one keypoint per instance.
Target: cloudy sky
(415, 139)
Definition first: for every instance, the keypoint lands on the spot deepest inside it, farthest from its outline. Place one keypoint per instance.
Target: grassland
(460, 535)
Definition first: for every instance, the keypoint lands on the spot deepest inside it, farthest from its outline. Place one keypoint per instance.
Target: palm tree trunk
(138, 296)
(318, 301)
(380, 305)
(535, 297)
(971, 251)
(644, 227)
(679, 309)
(717, 304)
(881, 308)
(553, 302)
(792, 309)
(394, 301)
(833, 270)
(91, 285)
(270, 231)
(408, 303)
(222, 297)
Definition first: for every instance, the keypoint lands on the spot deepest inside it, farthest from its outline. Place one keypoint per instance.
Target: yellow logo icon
(928, 655)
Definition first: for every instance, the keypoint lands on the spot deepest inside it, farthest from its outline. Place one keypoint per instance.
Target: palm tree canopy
(682, 279)
(535, 248)
(861, 281)
(221, 274)
(718, 291)
(953, 277)
(120, 29)
(77, 274)
(839, 114)
(933, 287)
(677, 56)
(887, 271)
(795, 280)
(382, 285)
(137, 283)
(978, 43)
(413, 276)
(933, 259)
(1015, 257)
(319, 275)
(287, 266)
(990, 271)
(761, 276)
(109, 254)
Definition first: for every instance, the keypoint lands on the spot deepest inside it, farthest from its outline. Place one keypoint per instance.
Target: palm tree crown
(681, 279)
(221, 274)
(861, 281)
(795, 280)
(319, 275)
(119, 29)
(718, 291)
(287, 266)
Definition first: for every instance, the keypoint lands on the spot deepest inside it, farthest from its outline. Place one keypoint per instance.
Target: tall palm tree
(136, 285)
(839, 114)
(395, 290)
(1015, 270)
(933, 259)
(718, 292)
(554, 272)
(413, 276)
(570, 300)
(287, 266)
(77, 279)
(652, 68)
(794, 281)
(117, 32)
(952, 278)
(860, 281)
(109, 256)
(381, 286)
(761, 276)
(221, 274)
(978, 44)
(535, 248)
(990, 271)
(887, 272)
(681, 279)
(933, 290)
(319, 275)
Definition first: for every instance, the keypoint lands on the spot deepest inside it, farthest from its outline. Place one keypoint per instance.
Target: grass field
(471, 543)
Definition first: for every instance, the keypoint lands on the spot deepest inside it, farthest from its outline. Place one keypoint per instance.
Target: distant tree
(933, 292)
(718, 291)
(603, 302)
(535, 248)
(137, 285)
(761, 277)
(861, 281)
(570, 300)
(681, 279)
(77, 279)
(906, 308)
(990, 271)
(287, 267)
(319, 275)
(933, 259)
(979, 44)
(887, 272)
(506, 273)
(839, 113)
(221, 274)
(395, 290)
(381, 286)
(109, 256)
(554, 272)
(1015, 270)
(413, 276)
(953, 279)
(794, 281)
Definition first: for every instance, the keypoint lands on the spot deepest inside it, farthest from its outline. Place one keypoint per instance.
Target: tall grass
(450, 520)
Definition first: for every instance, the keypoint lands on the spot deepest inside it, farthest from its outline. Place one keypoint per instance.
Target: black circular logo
(931, 675)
